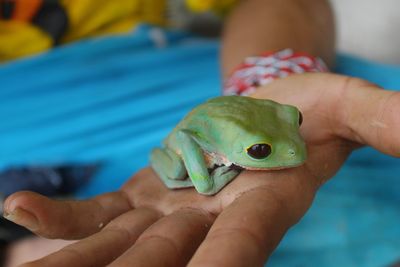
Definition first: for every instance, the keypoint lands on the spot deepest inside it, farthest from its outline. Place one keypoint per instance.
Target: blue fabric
(44, 180)
(110, 100)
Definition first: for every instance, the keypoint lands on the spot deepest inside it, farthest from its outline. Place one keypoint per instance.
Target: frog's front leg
(222, 176)
(170, 168)
(196, 167)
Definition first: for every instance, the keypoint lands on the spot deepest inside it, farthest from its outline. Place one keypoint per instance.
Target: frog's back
(225, 109)
(236, 108)
(223, 114)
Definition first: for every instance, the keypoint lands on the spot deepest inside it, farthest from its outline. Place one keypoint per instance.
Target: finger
(64, 219)
(32, 248)
(169, 242)
(369, 115)
(247, 232)
(103, 247)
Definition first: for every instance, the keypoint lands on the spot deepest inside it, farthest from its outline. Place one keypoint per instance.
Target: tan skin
(246, 221)
(145, 224)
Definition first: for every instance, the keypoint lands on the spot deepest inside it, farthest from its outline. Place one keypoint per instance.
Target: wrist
(264, 69)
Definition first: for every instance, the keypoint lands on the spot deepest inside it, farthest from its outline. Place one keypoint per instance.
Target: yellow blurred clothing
(18, 39)
(29, 28)
(96, 17)
(218, 6)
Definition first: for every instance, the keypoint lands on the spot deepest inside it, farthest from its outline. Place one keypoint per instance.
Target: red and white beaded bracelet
(263, 69)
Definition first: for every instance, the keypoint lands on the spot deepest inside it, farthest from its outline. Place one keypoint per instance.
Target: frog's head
(269, 140)
(265, 153)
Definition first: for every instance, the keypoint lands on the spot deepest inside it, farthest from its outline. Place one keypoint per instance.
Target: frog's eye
(259, 151)
(300, 118)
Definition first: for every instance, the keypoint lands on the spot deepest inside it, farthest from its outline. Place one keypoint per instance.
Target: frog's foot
(170, 168)
(226, 167)
(169, 163)
(174, 184)
(222, 176)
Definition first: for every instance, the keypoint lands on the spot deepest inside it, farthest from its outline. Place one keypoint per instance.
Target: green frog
(225, 135)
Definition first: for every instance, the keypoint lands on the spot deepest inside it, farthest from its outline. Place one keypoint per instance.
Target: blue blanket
(110, 100)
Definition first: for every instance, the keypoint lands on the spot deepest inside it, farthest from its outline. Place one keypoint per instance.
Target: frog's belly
(211, 159)
(214, 159)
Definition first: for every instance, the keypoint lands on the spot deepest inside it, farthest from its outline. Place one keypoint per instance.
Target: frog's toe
(221, 177)
(176, 184)
(224, 169)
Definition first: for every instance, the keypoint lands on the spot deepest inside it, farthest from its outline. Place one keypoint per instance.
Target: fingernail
(23, 218)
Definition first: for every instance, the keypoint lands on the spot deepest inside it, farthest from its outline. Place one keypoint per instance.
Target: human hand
(146, 224)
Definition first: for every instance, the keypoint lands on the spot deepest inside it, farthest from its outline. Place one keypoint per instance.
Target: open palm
(146, 224)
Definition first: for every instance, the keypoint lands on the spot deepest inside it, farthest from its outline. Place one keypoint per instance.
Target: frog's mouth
(277, 168)
(215, 161)
(233, 166)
